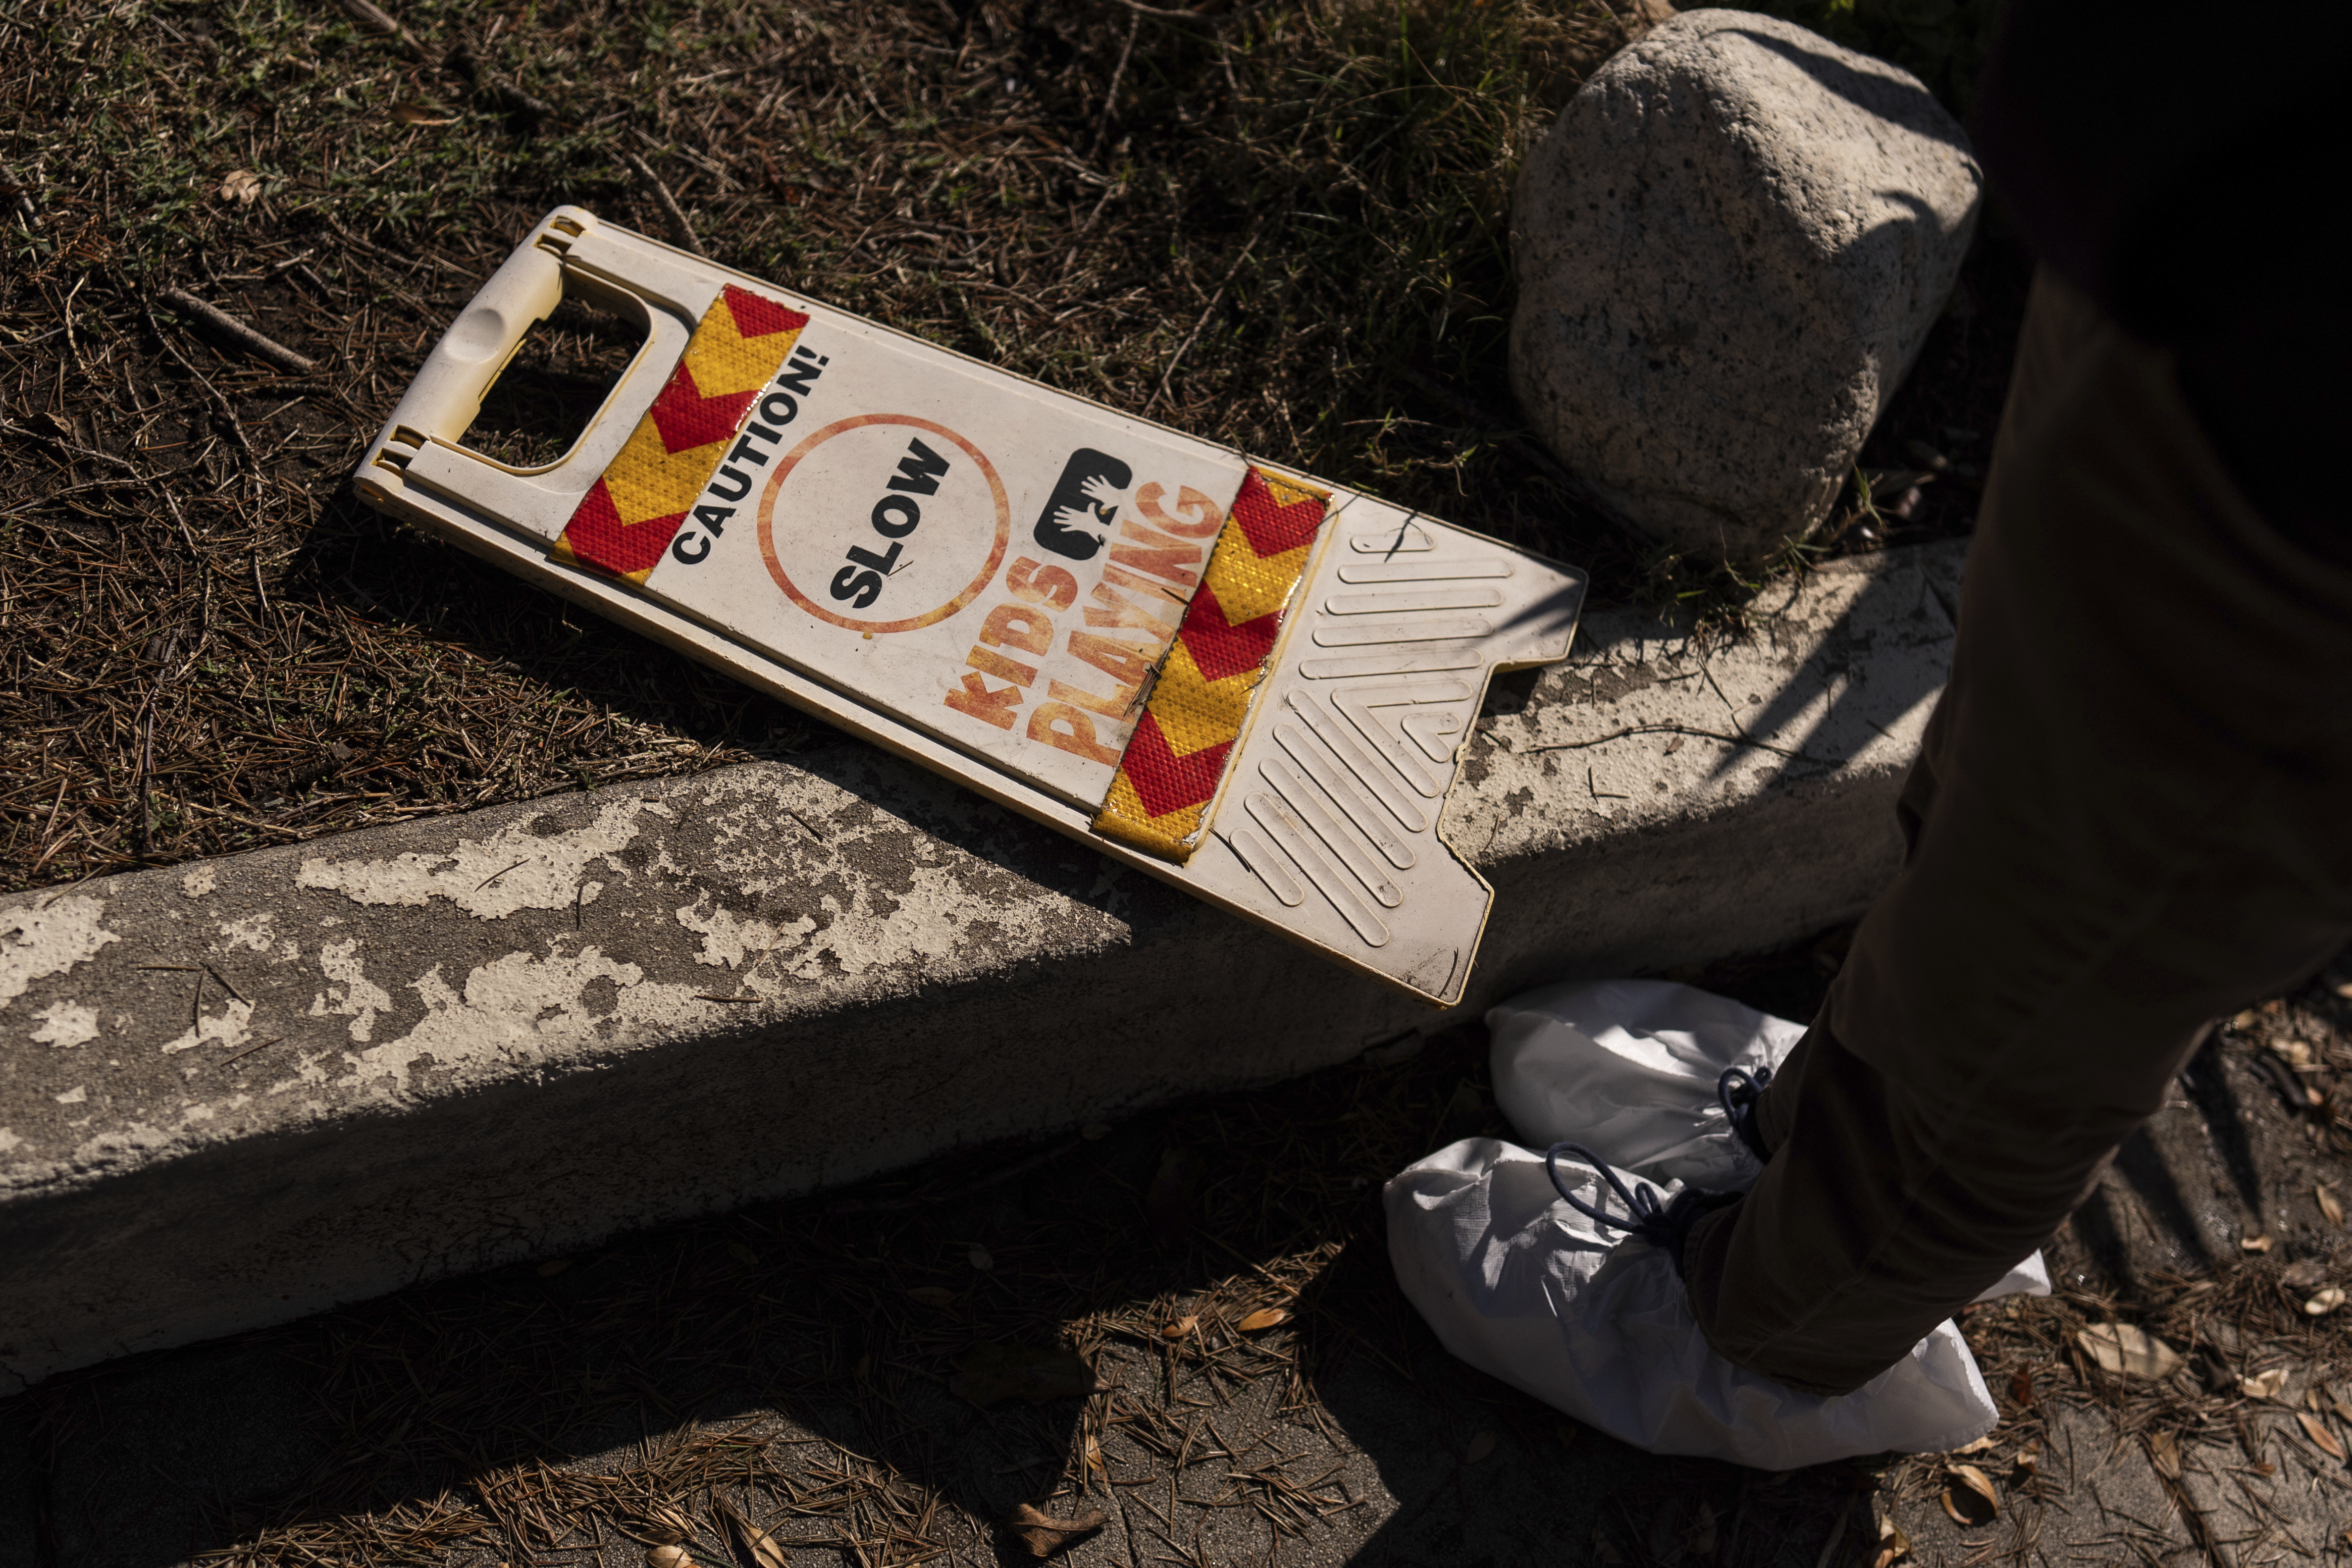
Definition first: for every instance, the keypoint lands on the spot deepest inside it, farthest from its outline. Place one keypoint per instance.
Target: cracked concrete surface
(240, 1091)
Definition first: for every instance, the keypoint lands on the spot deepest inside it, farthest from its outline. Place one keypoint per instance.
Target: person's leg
(2129, 817)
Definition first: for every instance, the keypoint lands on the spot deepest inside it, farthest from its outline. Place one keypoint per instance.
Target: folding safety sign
(1249, 683)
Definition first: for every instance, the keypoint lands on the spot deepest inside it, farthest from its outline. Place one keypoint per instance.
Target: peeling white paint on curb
(517, 869)
(40, 938)
(235, 1093)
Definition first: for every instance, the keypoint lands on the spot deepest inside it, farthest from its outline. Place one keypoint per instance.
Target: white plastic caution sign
(1245, 681)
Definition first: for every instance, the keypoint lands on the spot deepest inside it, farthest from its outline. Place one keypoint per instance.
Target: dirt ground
(1184, 1328)
(1281, 225)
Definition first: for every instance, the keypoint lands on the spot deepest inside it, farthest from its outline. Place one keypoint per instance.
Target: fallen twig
(253, 342)
(1186, 346)
(11, 428)
(644, 171)
(377, 20)
(1203, 17)
(1111, 99)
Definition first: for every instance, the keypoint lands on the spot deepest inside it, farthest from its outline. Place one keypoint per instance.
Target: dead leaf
(242, 185)
(1977, 1481)
(2329, 1204)
(553, 1267)
(2295, 1053)
(741, 1254)
(1979, 1447)
(1963, 1521)
(1179, 1328)
(1044, 1535)
(421, 114)
(2343, 1412)
(2303, 1276)
(2264, 1384)
(2316, 1430)
(669, 1557)
(2246, 1020)
(2029, 1461)
(2255, 1243)
(1480, 1446)
(932, 1295)
(2325, 1301)
(2164, 1448)
(990, 1373)
(979, 1259)
(2129, 1350)
(2345, 991)
(764, 1549)
(1264, 1317)
(1700, 1539)
(2020, 1385)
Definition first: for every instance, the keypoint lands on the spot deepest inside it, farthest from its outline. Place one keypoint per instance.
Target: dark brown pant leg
(2132, 814)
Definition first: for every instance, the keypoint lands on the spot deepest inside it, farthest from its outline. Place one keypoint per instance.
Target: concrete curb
(240, 1091)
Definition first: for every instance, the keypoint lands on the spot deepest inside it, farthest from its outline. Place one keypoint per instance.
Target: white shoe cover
(1521, 1286)
(1628, 1069)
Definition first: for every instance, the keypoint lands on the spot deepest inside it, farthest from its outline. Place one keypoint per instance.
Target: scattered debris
(384, 24)
(2128, 1350)
(2264, 1384)
(224, 325)
(1977, 1481)
(681, 228)
(1044, 1535)
(764, 1550)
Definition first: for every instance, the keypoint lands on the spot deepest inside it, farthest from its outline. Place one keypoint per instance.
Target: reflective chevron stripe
(629, 517)
(1169, 774)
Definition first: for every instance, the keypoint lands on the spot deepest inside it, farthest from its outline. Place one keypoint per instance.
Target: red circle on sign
(841, 426)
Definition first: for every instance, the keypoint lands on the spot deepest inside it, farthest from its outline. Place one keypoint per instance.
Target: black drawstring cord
(1663, 1225)
(1739, 1089)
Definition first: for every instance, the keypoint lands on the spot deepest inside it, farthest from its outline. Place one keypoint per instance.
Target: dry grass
(208, 646)
(1282, 226)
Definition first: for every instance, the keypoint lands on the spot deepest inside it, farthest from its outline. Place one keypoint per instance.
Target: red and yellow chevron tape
(1174, 763)
(628, 519)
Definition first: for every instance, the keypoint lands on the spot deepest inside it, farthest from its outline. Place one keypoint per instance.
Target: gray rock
(1730, 248)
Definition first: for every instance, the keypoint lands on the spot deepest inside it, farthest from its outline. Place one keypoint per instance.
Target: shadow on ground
(1261, 1392)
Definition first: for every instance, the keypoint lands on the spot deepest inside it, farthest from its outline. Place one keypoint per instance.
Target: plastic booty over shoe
(1629, 1069)
(1521, 1286)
